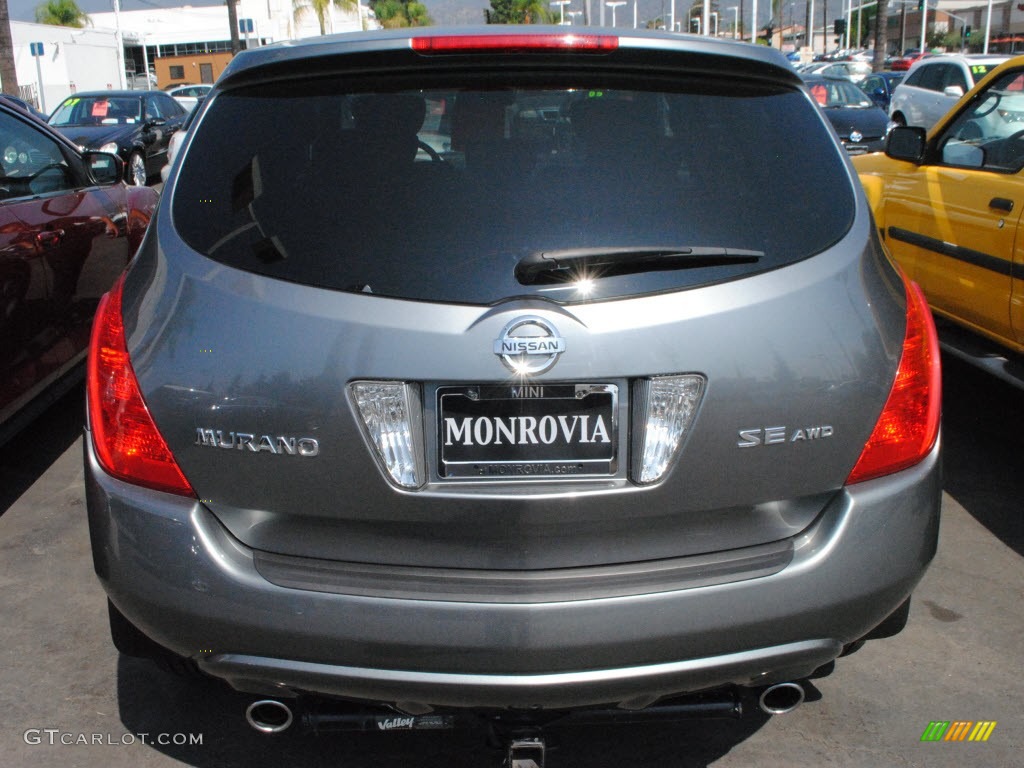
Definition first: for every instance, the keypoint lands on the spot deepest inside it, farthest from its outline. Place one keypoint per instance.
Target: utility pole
(236, 44)
(8, 73)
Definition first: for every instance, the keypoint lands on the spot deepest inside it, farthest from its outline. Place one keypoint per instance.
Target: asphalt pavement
(68, 700)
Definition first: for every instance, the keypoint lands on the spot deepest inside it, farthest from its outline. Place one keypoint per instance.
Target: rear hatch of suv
(463, 323)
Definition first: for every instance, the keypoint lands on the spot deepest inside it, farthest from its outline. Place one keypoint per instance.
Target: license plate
(519, 432)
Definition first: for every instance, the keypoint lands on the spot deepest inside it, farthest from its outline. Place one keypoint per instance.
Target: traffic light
(920, 5)
(840, 26)
(967, 32)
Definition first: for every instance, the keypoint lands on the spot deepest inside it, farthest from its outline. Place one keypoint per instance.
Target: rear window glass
(440, 194)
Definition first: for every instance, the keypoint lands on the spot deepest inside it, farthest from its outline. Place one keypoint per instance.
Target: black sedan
(861, 125)
(68, 227)
(135, 125)
(879, 87)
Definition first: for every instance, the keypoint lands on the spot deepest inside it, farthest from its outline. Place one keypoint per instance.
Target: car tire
(135, 170)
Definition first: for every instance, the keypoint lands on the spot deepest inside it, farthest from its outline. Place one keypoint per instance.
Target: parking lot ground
(959, 658)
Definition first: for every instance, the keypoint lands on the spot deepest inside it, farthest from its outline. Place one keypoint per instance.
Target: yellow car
(948, 205)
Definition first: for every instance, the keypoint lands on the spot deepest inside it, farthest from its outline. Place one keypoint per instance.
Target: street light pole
(924, 25)
(613, 6)
(809, 36)
(735, 19)
(561, 8)
(988, 26)
(119, 44)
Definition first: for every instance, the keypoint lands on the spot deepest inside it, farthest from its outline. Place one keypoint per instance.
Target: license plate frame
(517, 432)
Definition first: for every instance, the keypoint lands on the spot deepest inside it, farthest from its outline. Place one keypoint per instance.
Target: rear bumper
(175, 573)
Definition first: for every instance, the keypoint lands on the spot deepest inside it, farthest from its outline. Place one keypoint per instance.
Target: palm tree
(321, 8)
(62, 13)
(881, 37)
(8, 74)
(531, 11)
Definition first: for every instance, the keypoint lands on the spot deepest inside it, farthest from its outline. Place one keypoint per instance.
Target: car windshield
(438, 194)
(836, 94)
(97, 110)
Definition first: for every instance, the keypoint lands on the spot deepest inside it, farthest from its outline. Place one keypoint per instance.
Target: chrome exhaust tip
(781, 698)
(269, 716)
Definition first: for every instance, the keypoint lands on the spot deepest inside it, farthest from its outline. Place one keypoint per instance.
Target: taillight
(128, 444)
(909, 424)
(518, 42)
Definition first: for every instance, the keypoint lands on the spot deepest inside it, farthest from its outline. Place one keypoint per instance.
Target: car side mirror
(906, 143)
(105, 169)
(954, 91)
(156, 122)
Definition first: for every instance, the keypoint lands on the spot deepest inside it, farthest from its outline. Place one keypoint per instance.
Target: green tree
(418, 15)
(518, 12)
(500, 12)
(8, 73)
(62, 13)
(320, 8)
(393, 14)
(389, 13)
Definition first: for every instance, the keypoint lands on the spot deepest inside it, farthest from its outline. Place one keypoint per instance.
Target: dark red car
(68, 227)
(907, 60)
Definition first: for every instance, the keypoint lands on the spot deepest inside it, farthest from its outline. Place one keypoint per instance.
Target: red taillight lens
(514, 42)
(128, 444)
(909, 424)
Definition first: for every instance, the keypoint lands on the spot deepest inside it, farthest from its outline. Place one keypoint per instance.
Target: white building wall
(273, 21)
(72, 60)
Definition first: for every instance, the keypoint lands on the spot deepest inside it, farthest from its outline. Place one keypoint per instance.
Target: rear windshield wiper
(569, 264)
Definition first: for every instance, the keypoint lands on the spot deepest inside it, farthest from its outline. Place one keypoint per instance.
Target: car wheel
(135, 170)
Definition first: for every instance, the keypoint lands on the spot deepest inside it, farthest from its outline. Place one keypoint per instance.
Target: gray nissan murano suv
(510, 370)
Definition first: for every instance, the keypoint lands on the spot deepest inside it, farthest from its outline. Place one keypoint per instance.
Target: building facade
(193, 44)
(71, 60)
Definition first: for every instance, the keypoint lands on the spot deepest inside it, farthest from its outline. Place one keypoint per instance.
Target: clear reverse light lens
(390, 412)
(665, 405)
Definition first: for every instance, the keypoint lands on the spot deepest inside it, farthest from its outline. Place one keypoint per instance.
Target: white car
(188, 95)
(934, 84)
(175, 144)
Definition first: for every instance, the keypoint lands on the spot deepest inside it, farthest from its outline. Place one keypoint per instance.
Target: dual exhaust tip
(273, 716)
